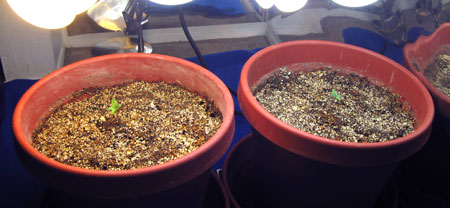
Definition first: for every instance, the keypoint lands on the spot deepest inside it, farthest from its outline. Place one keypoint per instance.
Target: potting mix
(127, 126)
(438, 73)
(335, 104)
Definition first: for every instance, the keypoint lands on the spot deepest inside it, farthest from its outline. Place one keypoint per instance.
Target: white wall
(27, 52)
(57, 37)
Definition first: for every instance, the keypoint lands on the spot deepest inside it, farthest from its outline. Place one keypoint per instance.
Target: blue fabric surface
(227, 66)
(416, 32)
(206, 7)
(377, 43)
(372, 41)
(18, 187)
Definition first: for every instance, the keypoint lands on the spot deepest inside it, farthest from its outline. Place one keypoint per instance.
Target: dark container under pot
(429, 169)
(297, 169)
(178, 183)
(239, 175)
(215, 197)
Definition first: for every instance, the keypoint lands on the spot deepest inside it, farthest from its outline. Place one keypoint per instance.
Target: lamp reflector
(108, 14)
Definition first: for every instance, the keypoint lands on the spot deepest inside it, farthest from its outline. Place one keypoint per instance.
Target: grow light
(49, 14)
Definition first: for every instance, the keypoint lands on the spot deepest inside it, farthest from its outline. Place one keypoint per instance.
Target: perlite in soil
(127, 126)
(438, 73)
(335, 104)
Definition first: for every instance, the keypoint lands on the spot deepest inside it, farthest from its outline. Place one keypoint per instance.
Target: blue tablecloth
(204, 7)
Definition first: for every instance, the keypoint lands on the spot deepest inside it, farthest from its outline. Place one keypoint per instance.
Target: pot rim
(248, 96)
(227, 123)
(412, 48)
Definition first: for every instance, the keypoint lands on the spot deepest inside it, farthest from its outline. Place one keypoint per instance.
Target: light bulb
(49, 14)
(290, 5)
(354, 3)
(171, 2)
(265, 4)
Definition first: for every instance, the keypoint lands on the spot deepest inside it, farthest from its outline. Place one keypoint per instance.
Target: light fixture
(108, 14)
(49, 14)
(171, 2)
(265, 4)
(354, 3)
(128, 16)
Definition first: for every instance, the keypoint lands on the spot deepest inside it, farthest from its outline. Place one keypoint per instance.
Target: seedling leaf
(114, 106)
(335, 95)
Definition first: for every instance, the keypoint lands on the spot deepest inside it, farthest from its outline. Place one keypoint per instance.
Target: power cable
(196, 50)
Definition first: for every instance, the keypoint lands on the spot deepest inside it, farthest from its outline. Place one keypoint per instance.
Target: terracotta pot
(418, 55)
(184, 179)
(429, 169)
(300, 169)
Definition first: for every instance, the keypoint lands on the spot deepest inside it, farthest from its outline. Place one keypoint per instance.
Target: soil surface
(339, 105)
(153, 123)
(438, 73)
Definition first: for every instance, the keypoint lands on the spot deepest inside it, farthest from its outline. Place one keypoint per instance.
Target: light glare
(354, 3)
(49, 14)
(171, 2)
(290, 5)
(265, 4)
(79, 6)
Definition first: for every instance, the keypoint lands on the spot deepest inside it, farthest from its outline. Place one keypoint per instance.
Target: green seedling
(114, 106)
(335, 95)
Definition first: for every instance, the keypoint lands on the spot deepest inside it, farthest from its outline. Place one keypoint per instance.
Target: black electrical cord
(196, 50)
(189, 37)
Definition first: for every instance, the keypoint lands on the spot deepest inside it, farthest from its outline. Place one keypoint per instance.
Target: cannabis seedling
(335, 95)
(114, 106)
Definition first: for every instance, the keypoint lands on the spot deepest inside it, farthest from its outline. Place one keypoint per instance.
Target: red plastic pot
(300, 169)
(420, 54)
(182, 181)
(429, 169)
